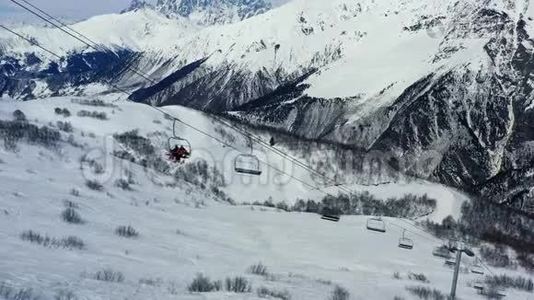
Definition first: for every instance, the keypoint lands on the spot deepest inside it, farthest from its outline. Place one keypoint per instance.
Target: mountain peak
(209, 12)
(137, 5)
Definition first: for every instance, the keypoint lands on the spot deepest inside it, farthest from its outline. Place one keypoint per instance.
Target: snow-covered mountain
(206, 12)
(183, 226)
(406, 77)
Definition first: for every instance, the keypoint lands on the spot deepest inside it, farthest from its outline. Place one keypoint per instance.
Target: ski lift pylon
(247, 163)
(404, 242)
(376, 224)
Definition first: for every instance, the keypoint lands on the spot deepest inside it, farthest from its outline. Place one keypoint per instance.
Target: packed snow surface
(185, 230)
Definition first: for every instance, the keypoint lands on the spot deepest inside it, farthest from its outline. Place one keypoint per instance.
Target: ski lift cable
(312, 187)
(257, 139)
(233, 147)
(253, 137)
(290, 157)
(269, 147)
(436, 239)
(54, 54)
(59, 21)
(294, 160)
(30, 41)
(48, 20)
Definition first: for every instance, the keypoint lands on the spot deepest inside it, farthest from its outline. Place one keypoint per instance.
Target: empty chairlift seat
(376, 224)
(330, 215)
(476, 268)
(404, 242)
(247, 164)
(442, 251)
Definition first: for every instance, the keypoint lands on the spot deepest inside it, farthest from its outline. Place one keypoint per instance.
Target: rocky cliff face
(209, 12)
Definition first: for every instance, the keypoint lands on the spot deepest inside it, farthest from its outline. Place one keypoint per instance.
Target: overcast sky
(68, 9)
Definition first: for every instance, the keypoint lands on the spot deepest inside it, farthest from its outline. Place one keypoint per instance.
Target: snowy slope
(136, 30)
(281, 179)
(183, 229)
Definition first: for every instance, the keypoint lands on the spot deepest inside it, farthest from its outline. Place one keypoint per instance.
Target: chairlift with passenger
(404, 242)
(248, 164)
(178, 147)
(376, 224)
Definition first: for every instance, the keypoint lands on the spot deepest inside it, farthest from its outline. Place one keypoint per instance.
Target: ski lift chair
(476, 268)
(450, 263)
(332, 218)
(405, 243)
(376, 224)
(442, 251)
(330, 215)
(177, 141)
(248, 164)
(480, 286)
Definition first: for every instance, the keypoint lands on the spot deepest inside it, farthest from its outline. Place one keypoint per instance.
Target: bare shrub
(93, 114)
(397, 275)
(70, 204)
(264, 292)
(123, 184)
(62, 111)
(64, 126)
(283, 206)
(126, 231)
(92, 164)
(526, 261)
(70, 242)
(65, 295)
(75, 192)
(426, 293)
(365, 203)
(14, 131)
(70, 215)
(19, 116)
(340, 293)
(93, 102)
(496, 257)
(258, 269)
(151, 281)
(238, 285)
(418, 277)
(505, 281)
(94, 185)
(202, 284)
(11, 293)
(109, 275)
